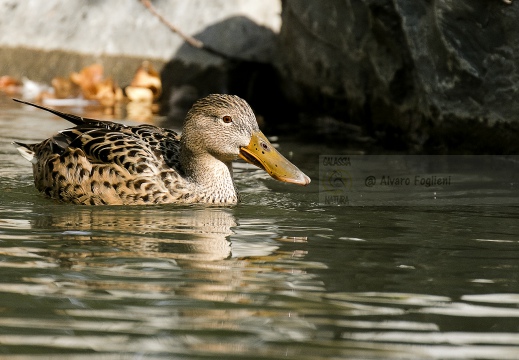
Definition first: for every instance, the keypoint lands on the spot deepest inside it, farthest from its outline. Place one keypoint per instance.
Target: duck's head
(225, 127)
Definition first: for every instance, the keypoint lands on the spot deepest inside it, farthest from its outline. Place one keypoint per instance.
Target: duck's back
(100, 162)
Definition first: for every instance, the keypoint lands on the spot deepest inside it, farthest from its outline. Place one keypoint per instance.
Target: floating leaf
(87, 79)
(64, 88)
(139, 94)
(10, 84)
(147, 77)
(108, 93)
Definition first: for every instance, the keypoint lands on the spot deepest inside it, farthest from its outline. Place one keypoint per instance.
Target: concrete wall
(70, 34)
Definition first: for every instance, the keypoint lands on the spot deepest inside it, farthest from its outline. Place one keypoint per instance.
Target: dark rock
(411, 73)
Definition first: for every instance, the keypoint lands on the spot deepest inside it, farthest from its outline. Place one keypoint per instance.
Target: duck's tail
(74, 119)
(26, 151)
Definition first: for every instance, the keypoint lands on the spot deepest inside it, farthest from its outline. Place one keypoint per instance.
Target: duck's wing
(165, 141)
(133, 147)
(109, 142)
(102, 162)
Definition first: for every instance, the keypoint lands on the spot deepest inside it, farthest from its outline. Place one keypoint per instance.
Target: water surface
(279, 276)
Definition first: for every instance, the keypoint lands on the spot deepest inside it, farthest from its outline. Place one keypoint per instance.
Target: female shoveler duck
(102, 162)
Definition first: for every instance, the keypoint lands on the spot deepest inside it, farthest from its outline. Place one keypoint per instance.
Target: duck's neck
(211, 178)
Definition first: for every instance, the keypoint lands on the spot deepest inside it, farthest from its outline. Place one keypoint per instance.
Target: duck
(99, 162)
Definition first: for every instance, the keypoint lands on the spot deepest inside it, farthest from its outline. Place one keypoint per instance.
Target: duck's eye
(227, 119)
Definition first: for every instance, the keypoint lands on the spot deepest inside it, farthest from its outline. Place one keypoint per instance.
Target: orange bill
(261, 153)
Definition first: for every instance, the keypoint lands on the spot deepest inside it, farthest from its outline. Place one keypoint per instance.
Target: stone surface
(407, 71)
(122, 29)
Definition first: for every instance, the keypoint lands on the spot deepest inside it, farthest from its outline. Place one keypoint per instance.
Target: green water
(279, 276)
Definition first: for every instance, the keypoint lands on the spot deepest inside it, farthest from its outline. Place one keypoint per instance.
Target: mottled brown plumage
(101, 162)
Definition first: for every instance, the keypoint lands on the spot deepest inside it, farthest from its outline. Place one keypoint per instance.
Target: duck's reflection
(193, 233)
(148, 243)
(176, 260)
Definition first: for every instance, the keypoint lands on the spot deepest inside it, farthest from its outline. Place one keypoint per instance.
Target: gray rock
(43, 39)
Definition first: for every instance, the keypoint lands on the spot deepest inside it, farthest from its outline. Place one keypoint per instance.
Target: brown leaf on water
(139, 94)
(64, 88)
(147, 77)
(9, 84)
(107, 92)
(88, 79)
(94, 86)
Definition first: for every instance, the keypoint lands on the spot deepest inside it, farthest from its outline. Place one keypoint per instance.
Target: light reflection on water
(276, 277)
